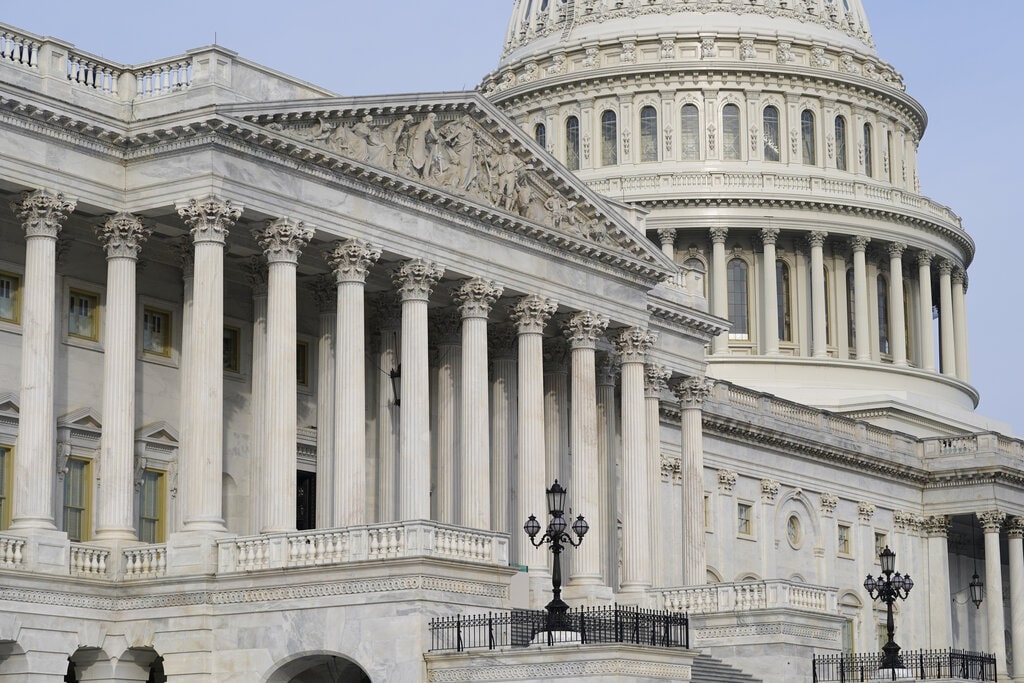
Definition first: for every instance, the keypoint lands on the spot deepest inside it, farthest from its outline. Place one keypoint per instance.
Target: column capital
(859, 243)
(946, 267)
(283, 239)
(122, 235)
(531, 313)
(991, 520)
(770, 490)
(1015, 527)
(865, 511)
(960, 277)
(476, 296)
(633, 343)
(42, 213)
(256, 274)
(936, 525)
(667, 236)
(828, 503)
(325, 293)
(817, 238)
(210, 218)
(656, 379)
(769, 235)
(351, 259)
(719, 235)
(896, 249)
(693, 391)
(501, 342)
(924, 258)
(727, 480)
(416, 278)
(583, 329)
(388, 312)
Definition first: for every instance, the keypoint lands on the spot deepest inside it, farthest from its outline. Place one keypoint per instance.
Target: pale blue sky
(959, 59)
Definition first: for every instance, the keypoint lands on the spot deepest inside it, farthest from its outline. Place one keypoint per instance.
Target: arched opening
(731, 146)
(609, 139)
(319, 668)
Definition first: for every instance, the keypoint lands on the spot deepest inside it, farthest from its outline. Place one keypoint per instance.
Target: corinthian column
(582, 331)
(475, 298)
(719, 287)
(415, 280)
(325, 294)
(959, 279)
(633, 345)
(447, 335)
(607, 454)
(927, 335)
(860, 298)
(819, 324)
(692, 392)
(504, 399)
(1015, 528)
(530, 314)
(992, 524)
(941, 632)
(42, 214)
(282, 241)
(771, 293)
(351, 261)
(656, 379)
(256, 274)
(897, 324)
(947, 334)
(122, 236)
(667, 236)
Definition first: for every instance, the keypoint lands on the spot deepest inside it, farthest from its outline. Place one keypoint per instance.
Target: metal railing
(921, 665)
(521, 628)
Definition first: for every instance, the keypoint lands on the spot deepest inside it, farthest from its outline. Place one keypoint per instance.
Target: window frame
(86, 511)
(160, 521)
(745, 335)
(18, 279)
(540, 134)
(609, 144)
(572, 142)
(745, 522)
(808, 138)
(884, 315)
(6, 486)
(689, 138)
(170, 309)
(842, 148)
(869, 154)
(784, 300)
(844, 550)
(650, 134)
(771, 134)
(237, 370)
(84, 289)
(732, 140)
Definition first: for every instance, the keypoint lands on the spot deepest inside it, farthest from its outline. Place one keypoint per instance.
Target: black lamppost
(556, 536)
(889, 588)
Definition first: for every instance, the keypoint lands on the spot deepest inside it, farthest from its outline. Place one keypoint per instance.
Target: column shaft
(770, 328)
(606, 515)
(719, 287)
(327, 491)
(692, 393)
(388, 423)
(860, 299)
(258, 454)
(926, 332)
(963, 370)
(449, 436)
(819, 325)
(504, 399)
(897, 324)
(992, 523)
(940, 615)
(947, 334)
(1016, 550)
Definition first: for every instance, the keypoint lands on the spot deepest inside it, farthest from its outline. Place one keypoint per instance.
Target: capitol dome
(758, 132)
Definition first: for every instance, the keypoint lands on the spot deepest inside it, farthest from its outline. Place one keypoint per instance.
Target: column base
(46, 551)
(191, 553)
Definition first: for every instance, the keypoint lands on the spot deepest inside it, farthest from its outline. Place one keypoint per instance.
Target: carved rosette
(633, 344)
(283, 240)
(656, 379)
(859, 243)
(42, 213)
(937, 525)
(584, 329)
(209, 219)
(992, 521)
(476, 296)
(865, 511)
(122, 235)
(828, 503)
(817, 238)
(325, 293)
(1015, 527)
(718, 235)
(693, 391)
(351, 260)
(770, 490)
(896, 249)
(727, 480)
(415, 279)
(256, 275)
(531, 313)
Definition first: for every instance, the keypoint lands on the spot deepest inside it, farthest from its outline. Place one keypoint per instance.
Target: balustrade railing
(921, 665)
(749, 596)
(145, 562)
(165, 77)
(18, 48)
(91, 73)
(12, 552)
(89, 561)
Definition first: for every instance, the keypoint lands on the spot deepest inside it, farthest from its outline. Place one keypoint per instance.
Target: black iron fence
(520, 628)
(919, 665)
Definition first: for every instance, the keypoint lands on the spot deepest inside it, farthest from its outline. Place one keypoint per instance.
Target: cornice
(704, 327)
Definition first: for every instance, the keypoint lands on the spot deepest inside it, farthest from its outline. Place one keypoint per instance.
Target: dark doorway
(305, 500)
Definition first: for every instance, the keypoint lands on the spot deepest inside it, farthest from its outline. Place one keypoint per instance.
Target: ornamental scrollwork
(210, 218)
(352, 259)
(42, 213)
(122, 235)
(531, 313)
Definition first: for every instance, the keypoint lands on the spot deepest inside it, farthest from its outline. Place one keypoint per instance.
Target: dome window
(841, 143)
(540, 134)
(572, 143)
(691, 133)
(609, 139)
(869, 162)
(648, 134)
(772, 139)
(738, 300)
(807, 135)
(731, 132)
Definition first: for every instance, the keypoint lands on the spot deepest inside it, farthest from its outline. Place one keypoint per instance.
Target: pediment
(9, 402)
(157, 432)
(86, 419)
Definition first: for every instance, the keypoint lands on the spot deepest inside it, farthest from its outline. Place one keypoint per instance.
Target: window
(840, 143)
(844, 539)
(83, 315)
(907, 318)
(851, 309)
(707, 512)
(848, 636)
(883, 314)
(772, 139)
(794, 533)
(648, 134)
(302, 364)
(744, 516)
(10, 297)
(77, 499)
(540, 134)
(572, 143)
(738, 302)
(881, 543)
(785, 300)
(696, 283)
(6, 465)
(731, 145)
(869, 163)
(807, 137)
(152, 497)
(232, 349)
(892, 157)
(609, 139)
(690, 138)
(156, 332)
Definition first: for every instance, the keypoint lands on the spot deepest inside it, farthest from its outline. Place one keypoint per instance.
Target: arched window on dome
(772, 137)
(841, 143)
(690, 137)
(807, 136)
(869, 161)
(851, 310)
(540, 134)
(731, 145)
(572, 143)
(883, 314)
(738, 300)
(785, 301)
(648, 134)
(609, 139)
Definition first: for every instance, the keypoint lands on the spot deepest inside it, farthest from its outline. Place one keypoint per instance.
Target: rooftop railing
(920, 665)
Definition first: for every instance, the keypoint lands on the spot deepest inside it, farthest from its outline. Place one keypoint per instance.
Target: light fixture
(396, 384)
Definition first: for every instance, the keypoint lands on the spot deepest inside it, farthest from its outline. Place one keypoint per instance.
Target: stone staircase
(707, 669)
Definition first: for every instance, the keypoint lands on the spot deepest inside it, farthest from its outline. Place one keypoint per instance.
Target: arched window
(785, 300)
(883, 314)
(851, 309)
(738, 300)
(648, 134)
(907, 317)
(869, 162)
(609, 139)
(841, 143)
(690, 137)
(731, 145)
(696, 282)
(772, 139)
(572, 143)
(807, 137)
(540, 134)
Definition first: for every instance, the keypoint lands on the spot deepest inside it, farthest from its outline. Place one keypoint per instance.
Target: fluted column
(692, 393)
(947, 335)
(325, 295)
(556, 414)
(633, 345)
(475, 298)
(1015, 531)
(530, 314)
(448, 437)
(42, 214)
(582, 330)
(770, 326)
(282, 242)
(992, 524)
(819, 325)
(719, 287)
(926, 333)
(185, 255)
(209, 220)
(504, 399)
(606, 516)
(860, 298)
(940, 616)
(655, 384)
(415, 280)
(256, 274)
(959, 278)
(897, 326)
(122, 236)
(388, 416)
(350, 260)
(667, 237)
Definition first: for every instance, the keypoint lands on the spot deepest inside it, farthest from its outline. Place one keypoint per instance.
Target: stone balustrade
(145, 562)
(90, 561)
(749, 596)
(18, 48)
(12, 552)
(164, 77)
(93, 73)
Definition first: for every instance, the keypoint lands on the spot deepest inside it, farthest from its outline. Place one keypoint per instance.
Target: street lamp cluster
(557, 538)
(888, 588)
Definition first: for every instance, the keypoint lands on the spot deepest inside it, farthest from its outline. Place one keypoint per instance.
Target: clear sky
(959, 59)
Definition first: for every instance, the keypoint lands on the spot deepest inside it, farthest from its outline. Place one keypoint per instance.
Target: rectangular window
(302, 364)
(707, 512)
(881, 543)
(151, 506)
(844, 539)
(156, 332)
(744, 514)
(10, 297)
(6, 463)
(77, 499)
(232, 349)
(83, 315)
